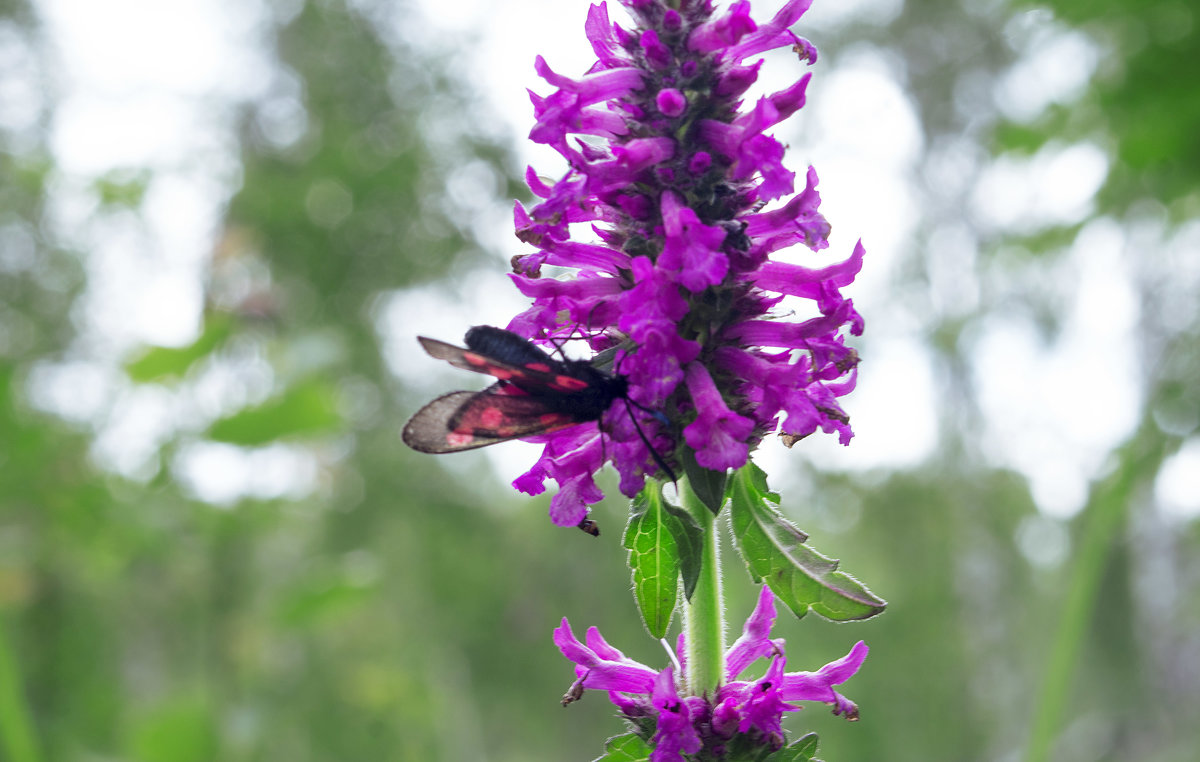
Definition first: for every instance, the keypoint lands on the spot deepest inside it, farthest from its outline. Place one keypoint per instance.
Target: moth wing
(467, 420)
(428, 429)
(458, 356)
(532, 377)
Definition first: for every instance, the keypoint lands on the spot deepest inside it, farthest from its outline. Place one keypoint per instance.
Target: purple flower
(718, 435)
(676, 718)
(686, 725)
(687, 196)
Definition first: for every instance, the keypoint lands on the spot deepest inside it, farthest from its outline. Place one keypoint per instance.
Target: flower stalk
(685, 292)
(703, 615)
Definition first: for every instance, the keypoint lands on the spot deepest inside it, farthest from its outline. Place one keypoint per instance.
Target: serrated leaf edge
(751, 477)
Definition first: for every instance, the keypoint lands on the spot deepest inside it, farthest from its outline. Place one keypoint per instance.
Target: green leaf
(689, 544)
(305, 409)
(626, 748)
(746, 748)
(775, 551)
(158, 363)
(800, 750)
(653, 559)
(708, 485)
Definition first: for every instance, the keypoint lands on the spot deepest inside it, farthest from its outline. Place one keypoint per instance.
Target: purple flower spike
(688, 196)
(688, 725)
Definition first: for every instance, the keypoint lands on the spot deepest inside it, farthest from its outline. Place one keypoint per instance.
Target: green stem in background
(703, 616)
(16, 730)
(1104, 520)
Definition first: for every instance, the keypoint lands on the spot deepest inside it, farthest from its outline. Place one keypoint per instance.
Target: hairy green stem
(703, 616)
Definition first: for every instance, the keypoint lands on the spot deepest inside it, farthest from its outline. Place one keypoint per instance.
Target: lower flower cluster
(746, 714)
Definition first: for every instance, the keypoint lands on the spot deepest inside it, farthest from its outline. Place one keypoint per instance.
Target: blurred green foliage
(1143, 103)
(403, 608)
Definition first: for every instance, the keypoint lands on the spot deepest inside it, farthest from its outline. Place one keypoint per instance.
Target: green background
(402, 609)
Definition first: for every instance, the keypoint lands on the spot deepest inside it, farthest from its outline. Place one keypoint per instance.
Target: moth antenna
(603, 447)
(591, 312)
(658, 460)
(582, 329)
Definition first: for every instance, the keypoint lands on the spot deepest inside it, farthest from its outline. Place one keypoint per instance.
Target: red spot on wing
(488, 366)
(569, 383)
(540, 367)
(491, 418)
(506, 413)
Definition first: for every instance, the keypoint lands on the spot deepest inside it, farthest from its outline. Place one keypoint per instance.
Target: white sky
(860, 131)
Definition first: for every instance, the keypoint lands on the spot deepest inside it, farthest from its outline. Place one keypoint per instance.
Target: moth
(534, 394)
